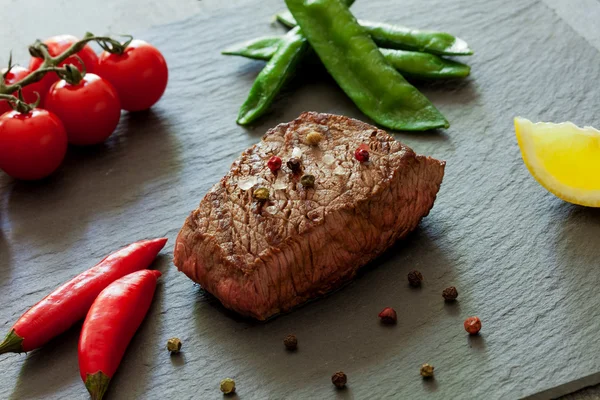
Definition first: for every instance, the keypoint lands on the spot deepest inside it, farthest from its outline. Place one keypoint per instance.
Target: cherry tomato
(32, 145)
(15, 75)
(90, 109)
(140, 74)
(57, 45)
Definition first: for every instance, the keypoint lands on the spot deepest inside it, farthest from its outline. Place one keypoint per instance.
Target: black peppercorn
(291, 342)
(450, 293)
(339, 379)
(415, 278)
(308, 181)
(294, 165)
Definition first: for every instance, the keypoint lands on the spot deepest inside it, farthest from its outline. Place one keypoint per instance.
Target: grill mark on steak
(260, 260)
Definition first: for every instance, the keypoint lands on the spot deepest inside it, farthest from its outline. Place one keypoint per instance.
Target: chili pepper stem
(97, 384)
(12, 343)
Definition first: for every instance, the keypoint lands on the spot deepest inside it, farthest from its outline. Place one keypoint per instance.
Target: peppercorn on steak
(265, 239)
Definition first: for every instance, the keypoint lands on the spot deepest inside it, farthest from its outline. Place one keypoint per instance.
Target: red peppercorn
(339, 379)
(274, 164)
(472, 325)
(388, 316)
(361, 155)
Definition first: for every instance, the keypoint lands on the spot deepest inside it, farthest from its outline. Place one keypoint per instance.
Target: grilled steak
(263, 258)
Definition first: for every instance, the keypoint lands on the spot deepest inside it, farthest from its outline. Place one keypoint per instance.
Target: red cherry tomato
(140, 74)
(57, 45)
(90, 109)
(32, 145)
(15, 75)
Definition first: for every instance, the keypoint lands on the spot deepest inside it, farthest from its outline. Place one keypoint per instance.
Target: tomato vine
(51, 64)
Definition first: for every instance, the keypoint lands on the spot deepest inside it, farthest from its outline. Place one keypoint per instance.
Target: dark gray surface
(522, 260)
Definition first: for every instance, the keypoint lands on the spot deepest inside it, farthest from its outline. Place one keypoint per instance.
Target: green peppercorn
(308, 181)
(228, 386)
(261, 194)
(427, 371)
(174, 345)
(314, 138)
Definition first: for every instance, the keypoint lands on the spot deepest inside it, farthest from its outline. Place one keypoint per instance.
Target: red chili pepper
(110, 324)
(68, 304)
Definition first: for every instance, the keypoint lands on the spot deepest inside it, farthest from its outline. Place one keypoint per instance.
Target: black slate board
(524, 261)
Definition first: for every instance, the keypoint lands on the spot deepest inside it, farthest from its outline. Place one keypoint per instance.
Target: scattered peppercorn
(339, 379)
(450, 293)
(427, 371)
(291, 342)
(174, 345)
(361, 155)
(274, 164)
(388, 316)
(314, 138)
(415, 278)
(261, 194)
(294, 164)
(227, 386)
(308, 181)
(472, 325)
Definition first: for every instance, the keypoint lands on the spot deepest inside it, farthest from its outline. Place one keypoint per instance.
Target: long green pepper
(410, 64)
(355, 62)
(403, 38)
(273, 76)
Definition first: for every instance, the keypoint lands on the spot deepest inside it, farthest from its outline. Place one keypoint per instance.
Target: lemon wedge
(563, 158)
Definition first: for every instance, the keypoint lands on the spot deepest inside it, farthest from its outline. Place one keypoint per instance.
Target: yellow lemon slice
(563, 158)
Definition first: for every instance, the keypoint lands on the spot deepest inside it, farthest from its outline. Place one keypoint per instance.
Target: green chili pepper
(270, 80)
(409, 63)
(259, 49)
(399, 37)
(357, 65)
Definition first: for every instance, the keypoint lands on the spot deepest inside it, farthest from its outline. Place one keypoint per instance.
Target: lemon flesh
(563, 158)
